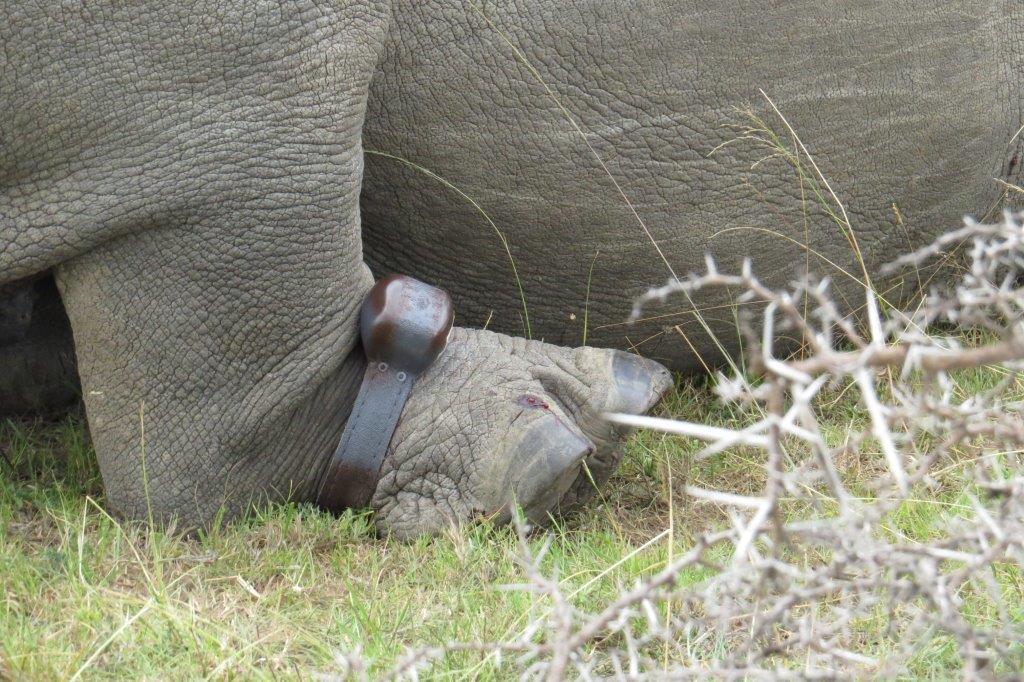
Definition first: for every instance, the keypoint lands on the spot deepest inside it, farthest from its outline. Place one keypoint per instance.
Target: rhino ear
(544, 462)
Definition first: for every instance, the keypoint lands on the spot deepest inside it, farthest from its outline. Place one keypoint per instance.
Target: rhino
(196, 197)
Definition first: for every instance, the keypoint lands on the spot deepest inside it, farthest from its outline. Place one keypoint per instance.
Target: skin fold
(213, 186)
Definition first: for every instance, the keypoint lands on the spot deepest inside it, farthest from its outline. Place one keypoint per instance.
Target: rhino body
(213, 186)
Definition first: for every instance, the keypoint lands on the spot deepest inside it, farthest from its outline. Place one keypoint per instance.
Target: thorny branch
(811, 562)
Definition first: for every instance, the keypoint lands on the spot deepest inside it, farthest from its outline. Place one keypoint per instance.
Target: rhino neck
(315, 427)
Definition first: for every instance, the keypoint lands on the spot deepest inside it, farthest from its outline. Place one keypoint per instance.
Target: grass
(281, 592)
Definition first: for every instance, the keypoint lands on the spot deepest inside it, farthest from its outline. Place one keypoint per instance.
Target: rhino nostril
(545, 461)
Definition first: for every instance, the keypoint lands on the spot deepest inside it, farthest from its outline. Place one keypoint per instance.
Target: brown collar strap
(404, 325)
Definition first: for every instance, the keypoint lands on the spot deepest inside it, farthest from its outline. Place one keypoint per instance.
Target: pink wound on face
(533, 401)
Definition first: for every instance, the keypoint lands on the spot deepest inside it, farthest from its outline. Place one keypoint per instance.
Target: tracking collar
(404, 325)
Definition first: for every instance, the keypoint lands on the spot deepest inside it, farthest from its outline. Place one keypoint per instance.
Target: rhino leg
(196, 189)
(194, 184)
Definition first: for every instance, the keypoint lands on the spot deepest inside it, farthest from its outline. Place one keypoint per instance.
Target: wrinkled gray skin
(193, 175)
